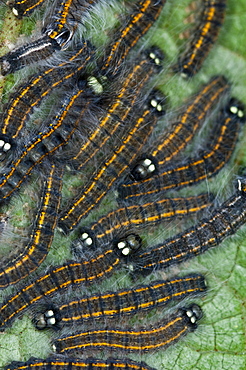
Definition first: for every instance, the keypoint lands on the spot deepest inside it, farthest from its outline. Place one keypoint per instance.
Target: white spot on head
(193, 320)
(152, 168)
(84, 235)
(49, 313)
(6, 147)
(147, 162)
(121, 245)
(52, 321)
(237, 111)
(155, 58)
(240, 113)
(156, 105)
(189, 313)
(87, 239)
(2, 143)
(153, 103)
(15, 11)
(125, 251)
(233, 109)
(152, 55)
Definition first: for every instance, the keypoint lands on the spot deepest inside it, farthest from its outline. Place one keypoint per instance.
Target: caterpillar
(63, 363)
(30, 95)
(59, 29)
(23, 8)
(20, 264)
(57, 34)
(28, 54)
(206, 234)
(134, 26)
(121, 108)
(141, 340)
(114, 165)
(205, 164)
(108, 228)
(55, 135)
(55, 280)
(169, 144)
(204, 37)
(64, 20)
(123, 302)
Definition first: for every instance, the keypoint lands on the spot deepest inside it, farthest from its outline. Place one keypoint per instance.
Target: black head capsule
(16, 12)
(5, 146)
(156, 56)
(128, 245)
(157, 102)
(193, 314)
(146, 167)
(47, 319)
(237, 109)
(85, 242)
(86, 239)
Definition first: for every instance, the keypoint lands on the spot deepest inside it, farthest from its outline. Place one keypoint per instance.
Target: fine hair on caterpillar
(112, 305)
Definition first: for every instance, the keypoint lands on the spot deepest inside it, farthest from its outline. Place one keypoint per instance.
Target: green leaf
(220, 340)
